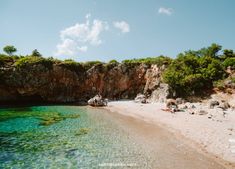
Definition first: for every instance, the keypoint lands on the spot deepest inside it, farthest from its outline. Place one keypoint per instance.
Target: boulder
(193, 106)
(171, 103)
(97, 101)
(213, 103)
(140, 98)
(179, 101)
(183, 106)
(224, 105)
(174, 109)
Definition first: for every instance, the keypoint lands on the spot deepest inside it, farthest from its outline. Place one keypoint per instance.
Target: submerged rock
(97, 101)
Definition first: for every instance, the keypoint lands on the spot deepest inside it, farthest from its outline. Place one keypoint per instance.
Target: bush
(189, 73)
(232, 79)
(229, 62)
(4, 59)
(72, 65)
(31, 60)
(219, 84)
(113, 61)
(90, 64)
(150, 60)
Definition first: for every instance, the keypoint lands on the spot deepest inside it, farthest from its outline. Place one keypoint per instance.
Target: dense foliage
(36, 53)
(188, 73)
(9, 49)
(229, 62)
(151, 60)
(31, 60)
(193, 71)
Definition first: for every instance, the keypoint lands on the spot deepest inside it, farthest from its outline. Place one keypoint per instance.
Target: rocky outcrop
(154, 87)
(214, 103)
(171, 103)
(60, 83)
(97, 101)
(140, 98)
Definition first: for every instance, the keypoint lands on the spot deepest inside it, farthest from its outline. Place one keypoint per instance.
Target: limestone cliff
(59, 83)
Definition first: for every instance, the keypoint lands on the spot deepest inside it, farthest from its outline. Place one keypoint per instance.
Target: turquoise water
(93, 140)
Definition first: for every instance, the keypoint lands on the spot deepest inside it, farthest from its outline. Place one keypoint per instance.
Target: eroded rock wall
(57, 83)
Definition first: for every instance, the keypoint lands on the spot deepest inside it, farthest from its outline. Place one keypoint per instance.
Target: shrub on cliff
(31, 60)
(36, 53)
(150, 60)
(9, 50)
(4, 59)
(193, 71)
(229, 62)
(72, 65)
(90, 64)
(113, 62)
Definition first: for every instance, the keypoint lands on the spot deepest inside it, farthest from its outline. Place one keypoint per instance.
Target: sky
(86, 30)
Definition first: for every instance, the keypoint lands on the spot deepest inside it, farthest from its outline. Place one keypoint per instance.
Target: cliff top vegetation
(188, 73)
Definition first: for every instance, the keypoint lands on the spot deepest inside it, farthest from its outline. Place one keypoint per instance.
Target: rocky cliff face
(58, 83)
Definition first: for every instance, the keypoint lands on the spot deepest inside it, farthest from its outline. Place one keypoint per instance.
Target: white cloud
(77, 37)
(66, 47)
(82, 48)
(166, 11)
(122, 25)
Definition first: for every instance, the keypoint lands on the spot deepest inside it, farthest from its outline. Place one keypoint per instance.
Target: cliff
(61, 83)
(191, 74)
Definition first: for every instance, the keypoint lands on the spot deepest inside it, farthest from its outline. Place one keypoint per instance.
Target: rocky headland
(70, 82)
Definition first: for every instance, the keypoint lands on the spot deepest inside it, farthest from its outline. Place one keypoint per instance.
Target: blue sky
(115, 29)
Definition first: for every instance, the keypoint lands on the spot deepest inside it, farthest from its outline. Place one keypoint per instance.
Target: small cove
(83, 137)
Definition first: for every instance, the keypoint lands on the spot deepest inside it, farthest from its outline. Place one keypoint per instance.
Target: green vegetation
(193, 71)
(45, 118)
(5, 59)
(9, 50)
(233, 79)
(32, 60)
(150, 60)
(228, 54)
(89, 64)
(229, 62)
(219, 84)
(187, 74)
(36, 53)
(71, 65)
(113, 62)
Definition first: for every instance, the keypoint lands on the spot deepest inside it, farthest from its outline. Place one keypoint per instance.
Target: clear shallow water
(94, 140)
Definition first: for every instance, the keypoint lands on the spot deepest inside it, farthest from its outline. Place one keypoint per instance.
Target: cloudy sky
(115, 29)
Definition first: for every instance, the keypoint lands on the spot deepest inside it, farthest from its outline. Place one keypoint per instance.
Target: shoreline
(198, 131)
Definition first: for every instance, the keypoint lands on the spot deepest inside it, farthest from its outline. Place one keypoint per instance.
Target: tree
(194, 71)
(211, 51)
(228, 53)
(36, 53)
(9, 50)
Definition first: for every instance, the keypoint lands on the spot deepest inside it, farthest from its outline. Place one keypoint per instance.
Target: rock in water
(97, 101)
(140, 98)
